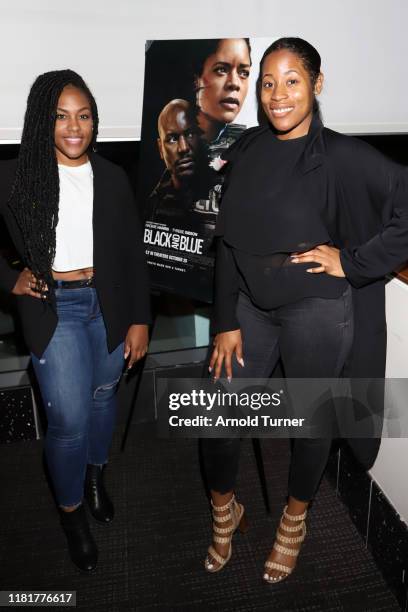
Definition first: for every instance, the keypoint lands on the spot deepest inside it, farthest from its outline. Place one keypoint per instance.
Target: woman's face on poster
(223, 84)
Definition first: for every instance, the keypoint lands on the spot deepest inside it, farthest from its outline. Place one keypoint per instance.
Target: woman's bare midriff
(72, 275)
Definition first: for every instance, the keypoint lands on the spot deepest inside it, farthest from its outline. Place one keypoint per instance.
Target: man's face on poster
(178, 141)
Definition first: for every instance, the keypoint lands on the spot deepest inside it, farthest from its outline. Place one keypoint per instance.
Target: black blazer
(121, 277)
(364, 199)
(365, 204)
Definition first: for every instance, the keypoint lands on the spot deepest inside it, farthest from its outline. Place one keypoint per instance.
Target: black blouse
(265, 216)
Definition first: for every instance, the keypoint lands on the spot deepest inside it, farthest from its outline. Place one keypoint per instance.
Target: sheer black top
(267, 214)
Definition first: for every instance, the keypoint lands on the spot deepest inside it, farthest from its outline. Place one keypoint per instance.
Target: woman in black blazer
(310, 223)
(83, 294)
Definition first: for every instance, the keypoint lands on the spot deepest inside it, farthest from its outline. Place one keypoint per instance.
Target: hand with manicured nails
(136, 343)
(328, 257)
(28, 284)
(226, 344)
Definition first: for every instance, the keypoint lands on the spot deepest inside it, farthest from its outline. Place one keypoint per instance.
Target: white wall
(362, 43)
(390, 469)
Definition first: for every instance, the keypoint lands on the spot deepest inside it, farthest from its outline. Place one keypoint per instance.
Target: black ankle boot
(81, 545)
(99, 503)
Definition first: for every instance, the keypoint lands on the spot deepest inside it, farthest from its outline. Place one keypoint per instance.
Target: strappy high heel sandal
(223, 535)
(284, 550)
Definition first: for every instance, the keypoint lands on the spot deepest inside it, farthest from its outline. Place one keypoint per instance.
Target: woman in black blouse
(310, 223)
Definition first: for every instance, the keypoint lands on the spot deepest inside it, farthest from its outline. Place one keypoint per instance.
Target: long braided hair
(35, 194)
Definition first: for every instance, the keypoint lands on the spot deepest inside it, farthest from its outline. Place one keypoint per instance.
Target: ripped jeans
(78, 379)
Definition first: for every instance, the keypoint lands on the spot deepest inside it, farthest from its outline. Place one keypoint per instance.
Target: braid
(35, 193)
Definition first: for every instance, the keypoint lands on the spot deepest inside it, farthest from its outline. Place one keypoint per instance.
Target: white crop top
(74, 235)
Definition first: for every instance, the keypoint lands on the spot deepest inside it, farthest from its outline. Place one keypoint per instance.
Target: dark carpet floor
(151, 557)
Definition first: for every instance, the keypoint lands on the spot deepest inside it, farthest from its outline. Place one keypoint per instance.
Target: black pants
(313, 338)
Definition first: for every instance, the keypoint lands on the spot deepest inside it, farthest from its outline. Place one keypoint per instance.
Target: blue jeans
(78, 379)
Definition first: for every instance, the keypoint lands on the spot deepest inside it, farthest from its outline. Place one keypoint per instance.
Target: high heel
(284, 550)
(223, 535)
(100, 506)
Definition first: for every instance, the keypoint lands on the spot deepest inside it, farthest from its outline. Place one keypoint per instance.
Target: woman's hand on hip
(327, 256)
(225, 345)
(136, 343)
(28, 284)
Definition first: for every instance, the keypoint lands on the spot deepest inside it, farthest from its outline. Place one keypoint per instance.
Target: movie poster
(199, 96)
